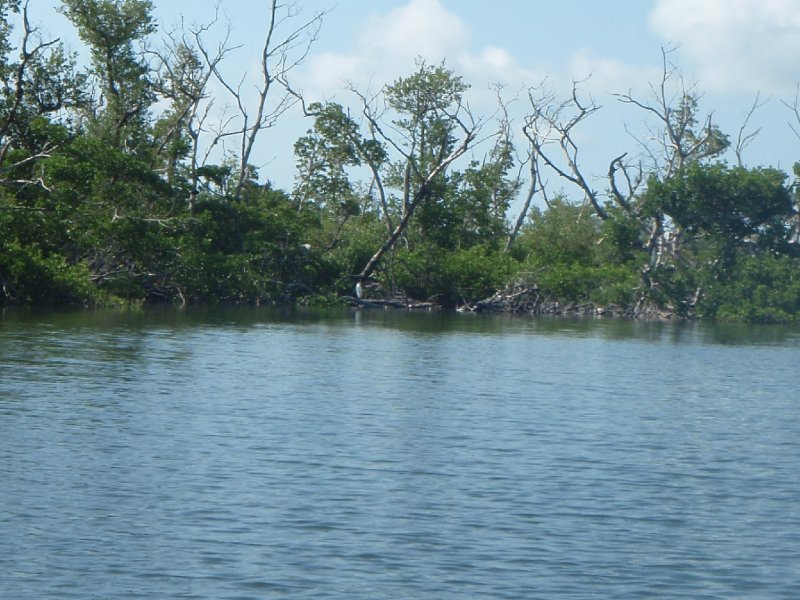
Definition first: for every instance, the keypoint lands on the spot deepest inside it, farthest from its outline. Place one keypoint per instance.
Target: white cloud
(495, 65)
(420, 28)
(608, 75)
(391, 42)
(735, 45)
(387, 49)
(329, 72)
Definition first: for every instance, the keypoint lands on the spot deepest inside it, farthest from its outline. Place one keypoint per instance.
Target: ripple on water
(355, 460)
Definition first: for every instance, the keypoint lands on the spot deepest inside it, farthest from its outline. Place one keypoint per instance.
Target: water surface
(253, 453)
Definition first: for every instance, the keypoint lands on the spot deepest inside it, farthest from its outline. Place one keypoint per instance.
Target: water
(257, 454)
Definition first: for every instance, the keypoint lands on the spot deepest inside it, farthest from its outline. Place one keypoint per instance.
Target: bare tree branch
(279, 56)
(743, 140)
(794, 107)
(674, 105)
(27, 55)
(553, 123)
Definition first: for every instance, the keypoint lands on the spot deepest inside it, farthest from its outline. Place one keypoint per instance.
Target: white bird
(359, 290)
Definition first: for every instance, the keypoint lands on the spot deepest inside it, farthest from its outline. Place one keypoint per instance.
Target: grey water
(254, 453)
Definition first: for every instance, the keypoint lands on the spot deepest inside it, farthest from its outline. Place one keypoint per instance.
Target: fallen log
(392, 303)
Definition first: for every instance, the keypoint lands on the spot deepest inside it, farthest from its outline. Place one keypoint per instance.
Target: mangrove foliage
(113, 188)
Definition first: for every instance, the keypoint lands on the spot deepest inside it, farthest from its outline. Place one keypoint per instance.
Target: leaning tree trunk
(420, 196)
(395, 235)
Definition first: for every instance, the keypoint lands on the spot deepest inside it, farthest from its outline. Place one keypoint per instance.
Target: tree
(552, 123)
(727, 216)
(286, 45)
(182, 80)
(116, 32)
(485, 190)
(568, 257)
(678, 135)
(36, 89)
(39, 88)
(678, 138)
(433, 128)
(734, 207)
(324, 156)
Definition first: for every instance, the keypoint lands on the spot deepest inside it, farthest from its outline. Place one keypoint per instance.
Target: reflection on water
(243, 318)
(254, 453)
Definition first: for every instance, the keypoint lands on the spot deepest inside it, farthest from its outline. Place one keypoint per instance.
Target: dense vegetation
(109, 193)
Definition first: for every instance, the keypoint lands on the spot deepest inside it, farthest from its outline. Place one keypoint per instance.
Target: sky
(733, 50)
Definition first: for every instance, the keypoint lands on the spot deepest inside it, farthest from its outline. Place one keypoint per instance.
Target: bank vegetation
(112, 188)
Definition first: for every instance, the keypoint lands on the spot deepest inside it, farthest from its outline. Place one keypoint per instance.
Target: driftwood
(529, 299)
(525, 299)
(403, 303)
(512, 299)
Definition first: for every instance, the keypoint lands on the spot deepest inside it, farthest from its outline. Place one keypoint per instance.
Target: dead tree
(535, 186)
(287, 42)
(745, 137)
(412, 199)
(676, 138)
(794, 109)
(527, 168)
(550, 130)
(794, 125)
(185, 66)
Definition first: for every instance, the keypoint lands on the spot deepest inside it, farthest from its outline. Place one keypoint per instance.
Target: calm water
(254, 454)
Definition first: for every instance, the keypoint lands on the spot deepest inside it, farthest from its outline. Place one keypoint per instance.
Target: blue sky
(733, 49)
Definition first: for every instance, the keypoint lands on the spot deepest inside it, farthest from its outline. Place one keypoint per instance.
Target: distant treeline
(112, 191)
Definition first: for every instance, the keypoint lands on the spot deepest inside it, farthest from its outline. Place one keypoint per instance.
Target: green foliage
(622, 234)
(735, 206)
(577, 283)
(114, 31)
(675, 289)
(572, 257)
(763, 288)
(358, 239)
(562, 234)
(28, 275)
(250, 250)
(469, 207)
(101, 200)
(424, 103)
(452, 278)
(695, 144)
(730, 222)
(323, 156)
(425, 95)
